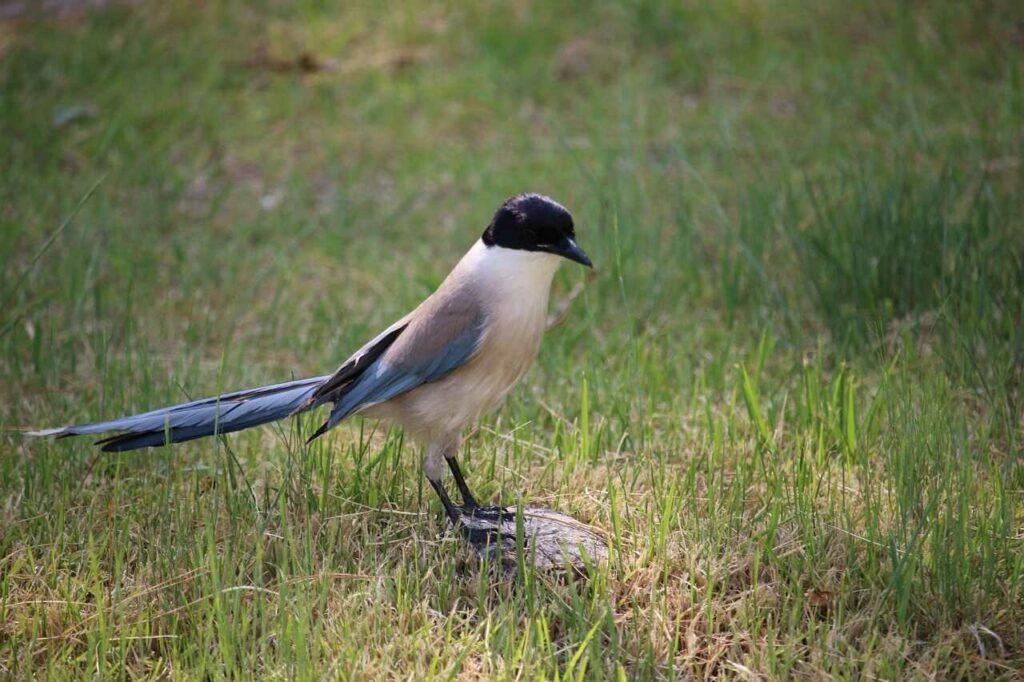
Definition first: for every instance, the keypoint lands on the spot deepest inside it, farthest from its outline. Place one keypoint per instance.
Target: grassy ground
(792, 394)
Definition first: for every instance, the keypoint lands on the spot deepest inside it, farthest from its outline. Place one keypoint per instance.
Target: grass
(792, 394)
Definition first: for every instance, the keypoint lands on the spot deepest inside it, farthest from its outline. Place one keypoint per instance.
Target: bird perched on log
(435, 372)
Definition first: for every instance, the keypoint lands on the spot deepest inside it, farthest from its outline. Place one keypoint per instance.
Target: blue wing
(396, 372)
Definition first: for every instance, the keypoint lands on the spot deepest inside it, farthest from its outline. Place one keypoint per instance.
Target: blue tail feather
(220, 414)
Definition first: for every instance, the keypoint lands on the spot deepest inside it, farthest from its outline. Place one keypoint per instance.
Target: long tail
(199, 418)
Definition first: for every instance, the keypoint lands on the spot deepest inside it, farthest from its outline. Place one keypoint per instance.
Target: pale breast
(457, 401)
(514, 293)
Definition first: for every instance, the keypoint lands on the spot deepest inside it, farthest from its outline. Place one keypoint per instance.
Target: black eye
(548, 235)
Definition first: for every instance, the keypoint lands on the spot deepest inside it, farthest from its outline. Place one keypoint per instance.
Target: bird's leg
(469, 504)
(468, 501)
(450, 509)
(479, 528)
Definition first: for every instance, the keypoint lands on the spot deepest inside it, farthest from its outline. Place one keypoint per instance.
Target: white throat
(510, 273)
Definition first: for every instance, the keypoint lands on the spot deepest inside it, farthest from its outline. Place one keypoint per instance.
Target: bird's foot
(485, 536)
(492, 513)
(486, 526)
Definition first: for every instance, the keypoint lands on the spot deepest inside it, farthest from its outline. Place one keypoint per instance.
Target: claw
(485, 526)
(493, 513)
(485, 537)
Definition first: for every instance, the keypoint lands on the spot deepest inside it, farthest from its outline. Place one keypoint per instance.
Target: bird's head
(534, 222)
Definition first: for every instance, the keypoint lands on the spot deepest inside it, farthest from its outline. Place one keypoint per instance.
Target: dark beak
(568, 248)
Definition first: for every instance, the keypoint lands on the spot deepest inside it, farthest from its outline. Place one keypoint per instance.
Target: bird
(435, 372)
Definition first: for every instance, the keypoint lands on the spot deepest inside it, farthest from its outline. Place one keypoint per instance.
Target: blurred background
(806, 319)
